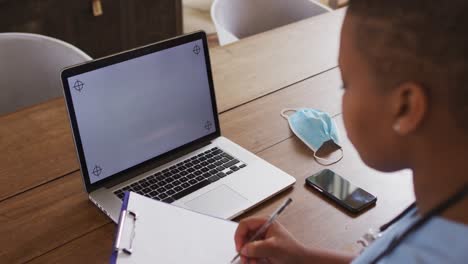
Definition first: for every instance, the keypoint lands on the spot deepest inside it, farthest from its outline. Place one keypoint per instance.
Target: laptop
(146, 121)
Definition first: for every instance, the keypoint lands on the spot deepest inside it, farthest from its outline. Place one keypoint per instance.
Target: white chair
(236, 19)
(30, 67)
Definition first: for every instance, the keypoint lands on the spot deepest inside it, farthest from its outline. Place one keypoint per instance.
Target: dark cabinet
(124, 24)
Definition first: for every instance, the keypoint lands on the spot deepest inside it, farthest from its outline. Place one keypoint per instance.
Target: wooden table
(45, 216)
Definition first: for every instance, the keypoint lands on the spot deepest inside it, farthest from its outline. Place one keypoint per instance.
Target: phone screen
(341, 190)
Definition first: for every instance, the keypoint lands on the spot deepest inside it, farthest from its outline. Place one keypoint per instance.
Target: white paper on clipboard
(162, 233)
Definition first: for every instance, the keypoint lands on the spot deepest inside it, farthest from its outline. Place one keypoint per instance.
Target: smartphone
(347, 195)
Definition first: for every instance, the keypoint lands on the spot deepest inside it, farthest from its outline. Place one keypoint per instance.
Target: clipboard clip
(123, 216)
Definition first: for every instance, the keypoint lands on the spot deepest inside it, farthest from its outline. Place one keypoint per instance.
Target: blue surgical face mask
(314, 128)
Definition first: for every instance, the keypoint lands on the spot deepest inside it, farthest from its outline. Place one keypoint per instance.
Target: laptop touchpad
(220, 202)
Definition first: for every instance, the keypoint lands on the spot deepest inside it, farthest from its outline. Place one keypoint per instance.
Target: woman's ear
(410, 103)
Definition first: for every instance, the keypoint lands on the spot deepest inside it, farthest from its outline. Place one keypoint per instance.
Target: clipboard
(150, 231)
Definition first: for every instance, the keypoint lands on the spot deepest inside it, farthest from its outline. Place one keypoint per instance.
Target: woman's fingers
(247, 227)
(260, 248)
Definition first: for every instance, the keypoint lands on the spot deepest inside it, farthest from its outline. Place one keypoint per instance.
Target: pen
(266, 225)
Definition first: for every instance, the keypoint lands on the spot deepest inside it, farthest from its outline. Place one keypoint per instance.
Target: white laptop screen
(133, 111)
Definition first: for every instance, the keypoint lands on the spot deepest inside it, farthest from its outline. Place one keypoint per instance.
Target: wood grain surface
(36, 147)
(265, 63)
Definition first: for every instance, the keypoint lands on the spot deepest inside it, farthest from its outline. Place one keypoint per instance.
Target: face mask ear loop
(283, 112)
(319, 160)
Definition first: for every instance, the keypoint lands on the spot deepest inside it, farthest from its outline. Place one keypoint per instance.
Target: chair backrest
(236, 19)
(30, 67)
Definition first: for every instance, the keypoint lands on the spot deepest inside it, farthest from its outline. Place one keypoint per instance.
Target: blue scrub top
(437, 241)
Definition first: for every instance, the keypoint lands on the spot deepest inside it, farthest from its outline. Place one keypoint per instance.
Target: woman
(404, 66)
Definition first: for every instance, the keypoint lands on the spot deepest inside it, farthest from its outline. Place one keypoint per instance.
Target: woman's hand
(276, 246)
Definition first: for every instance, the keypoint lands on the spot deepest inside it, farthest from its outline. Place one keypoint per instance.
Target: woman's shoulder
(439, 241)
(440, 224)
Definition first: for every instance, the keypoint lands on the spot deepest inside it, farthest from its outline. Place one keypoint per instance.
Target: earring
(396, 127)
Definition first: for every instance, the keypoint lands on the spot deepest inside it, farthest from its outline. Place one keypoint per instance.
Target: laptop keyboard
(185, 177)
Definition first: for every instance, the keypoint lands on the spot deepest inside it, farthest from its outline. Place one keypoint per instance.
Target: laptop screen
(132, 111)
